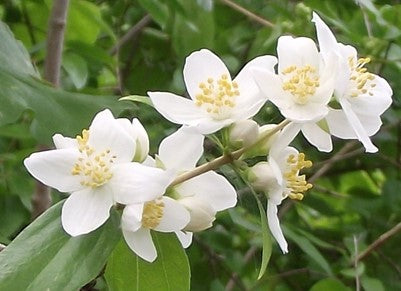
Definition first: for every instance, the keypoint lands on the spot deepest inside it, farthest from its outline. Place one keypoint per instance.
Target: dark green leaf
(329, 284)
(44, 257)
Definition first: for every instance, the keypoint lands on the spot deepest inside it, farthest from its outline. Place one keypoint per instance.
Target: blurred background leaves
(356, 197)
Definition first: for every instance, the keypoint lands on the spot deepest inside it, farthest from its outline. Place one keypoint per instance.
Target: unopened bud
(142, 141)
(201, 212)
(262, 148)
(244, 132)
(261, 177)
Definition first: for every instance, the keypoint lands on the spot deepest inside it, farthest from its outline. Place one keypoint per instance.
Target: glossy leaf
(44, 257)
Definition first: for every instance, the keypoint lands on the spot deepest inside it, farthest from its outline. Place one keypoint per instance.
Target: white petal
(300, 51)
(211, 187)
(62, 142)
(175, 216)
(185, 238)
(182, 149)
(86, 210)
(284, 138)
(208, 126)
(177, 109)
(106, 133)
(305, 113)
(142, 141)
(271, 86)
(376, 104)
(327, 40)
(251, 99)
(141, 243)
(199, 66)
(149, 161)
(53, 168)
(317, 137)
(136, 183)
(358, 127)
(132, 217)
(274, 225)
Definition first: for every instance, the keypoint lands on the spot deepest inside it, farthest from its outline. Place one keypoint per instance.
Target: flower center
(361, 79)
(94, 168)
(217, 97)
(152, 213)
(296, 184)
(301, 82)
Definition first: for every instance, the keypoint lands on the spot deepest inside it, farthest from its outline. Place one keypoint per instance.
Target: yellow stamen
(152, 213)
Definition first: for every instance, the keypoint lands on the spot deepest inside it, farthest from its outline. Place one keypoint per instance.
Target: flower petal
(177, 109)
(305, 113)
(317, 137)
(62, 142)
(175, 216)
(86, 210)
(358, 127)
(53, 168)
(212, 188)
(185, 238)
(136, 183)
(199, 66)
(326, 38)
(300, 51)
(182, 149)
(141, 243)
(274, 225)
(132, 217)
(106, 133)
(284, 138)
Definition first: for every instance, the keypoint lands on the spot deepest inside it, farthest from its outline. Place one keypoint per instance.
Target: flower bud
(244, 132)
(261, 176)
(202, 213)
(142, 141)
(261, 149)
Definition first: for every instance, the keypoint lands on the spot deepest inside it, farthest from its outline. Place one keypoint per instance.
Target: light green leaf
(76, 68)
(372, 284)
(157, 9)
(44, 257)
(305, 245)
(329, 284)
(170, 272)
(137, 98)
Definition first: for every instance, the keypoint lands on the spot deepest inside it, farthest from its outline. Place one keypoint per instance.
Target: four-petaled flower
(97, 169)
(216, 100)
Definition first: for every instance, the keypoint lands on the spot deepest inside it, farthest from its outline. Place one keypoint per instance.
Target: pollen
(152, 213)
(301, 82)
(217, 97)
(297, 184)
(92, 167)
(361, 80)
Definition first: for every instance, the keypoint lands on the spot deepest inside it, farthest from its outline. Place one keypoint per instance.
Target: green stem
(227, 157)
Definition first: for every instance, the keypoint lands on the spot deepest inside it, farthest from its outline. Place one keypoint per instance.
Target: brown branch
(132, 33)
(247, 13)
(41, 199)
(377, 243)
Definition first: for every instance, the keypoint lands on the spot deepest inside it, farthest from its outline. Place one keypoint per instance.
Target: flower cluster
(320, 93)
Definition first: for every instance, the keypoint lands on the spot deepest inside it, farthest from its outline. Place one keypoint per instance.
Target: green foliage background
(356, 200)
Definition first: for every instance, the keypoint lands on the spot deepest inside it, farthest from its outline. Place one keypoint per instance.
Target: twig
(132, 33)
(357, 284)
(328, 191)
(41, 199)
(234, 276)
(377, 243)
(248, 13)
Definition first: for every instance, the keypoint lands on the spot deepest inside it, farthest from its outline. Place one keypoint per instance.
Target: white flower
(304, 83)
(96, 169)
(244, 132)
(363, 96)
(162, 214)
(280, 178)
(216, 100)
(210, 191)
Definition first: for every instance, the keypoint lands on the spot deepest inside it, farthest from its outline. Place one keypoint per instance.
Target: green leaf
(157, 9)
(372, 284)
(305, 245)
(44, 257)
(170, 272)
(76, 68)
(267, 240)
(137, 98)
(329, 284)
(55, 110)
